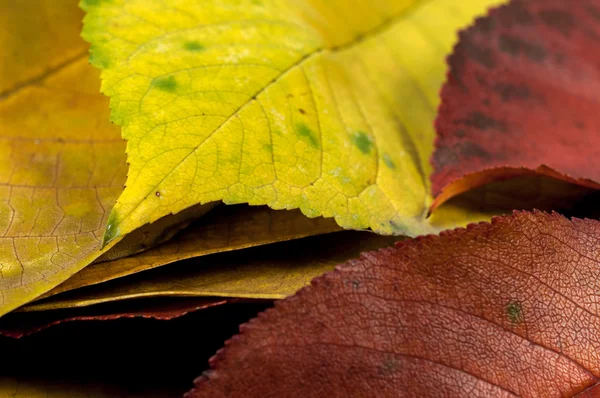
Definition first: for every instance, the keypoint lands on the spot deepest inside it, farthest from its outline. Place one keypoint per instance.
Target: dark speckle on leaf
(514, 311)
(516, 46)
(193, 46)
(593, 12)
(479, 54)
(509, 92)
(93, 2)
(470, 150)
(168, 84)
(388, 367)
(363, 142)
(560, 21)
(449, 156)
(520, 15)
(387, 159)
(307, 135)
(487, 25)
(481, 121)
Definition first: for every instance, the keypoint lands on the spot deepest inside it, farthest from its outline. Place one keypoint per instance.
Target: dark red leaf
(19, 324)
(504, 309)
(522, 97)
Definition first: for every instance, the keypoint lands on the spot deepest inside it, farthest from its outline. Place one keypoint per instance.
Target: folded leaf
(268, 272)
(19, 324)
(62, 164)
(224, 229)
(521, 98)
(494, 310)
(304, 104)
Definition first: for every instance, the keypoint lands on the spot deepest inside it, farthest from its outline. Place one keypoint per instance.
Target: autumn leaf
(224, 229)
(272, 271)
(293, 104)
(62, 163)
(502, 309)
(64, 167)
(520, 98)
(28, 55)
(19, 324)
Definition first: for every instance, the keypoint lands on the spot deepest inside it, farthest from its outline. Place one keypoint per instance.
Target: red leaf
(522, 97)
(502, 309)
(19, 324)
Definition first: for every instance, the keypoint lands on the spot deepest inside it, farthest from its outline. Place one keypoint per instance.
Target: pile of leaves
(186, 157)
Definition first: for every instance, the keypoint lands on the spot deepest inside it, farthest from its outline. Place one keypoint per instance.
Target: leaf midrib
(43, 75)
(319, 50)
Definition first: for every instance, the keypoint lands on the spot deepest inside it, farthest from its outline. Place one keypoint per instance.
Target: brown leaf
(19, 324)
(494, 310)
(226, 228)
(268, 272)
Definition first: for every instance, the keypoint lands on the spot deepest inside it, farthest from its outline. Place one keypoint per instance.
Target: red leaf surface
(507, 308)
(522, 97)
(19, 324)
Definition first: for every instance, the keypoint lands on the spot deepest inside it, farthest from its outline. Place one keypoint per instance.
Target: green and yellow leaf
(323, 106)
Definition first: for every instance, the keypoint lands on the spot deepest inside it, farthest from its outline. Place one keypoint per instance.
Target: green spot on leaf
(514, 311)
(268, 148)
(193, 46)
(168, 84)
(363, 142)
(306, 135)
(86, 3)
(98, 59)
(112, 228)
(388, 161)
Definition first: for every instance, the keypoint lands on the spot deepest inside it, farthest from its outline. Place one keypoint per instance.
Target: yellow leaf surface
(224, 229)
(269, 272)
(325, 106)
(62, 164)
(38, 37)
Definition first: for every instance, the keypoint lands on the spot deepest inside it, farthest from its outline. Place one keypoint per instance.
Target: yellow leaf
(37, 38)
(269, 272)
(62, 164)
(325, 106)
(224, 229)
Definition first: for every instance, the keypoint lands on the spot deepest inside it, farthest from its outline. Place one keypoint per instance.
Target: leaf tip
(112, 230)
